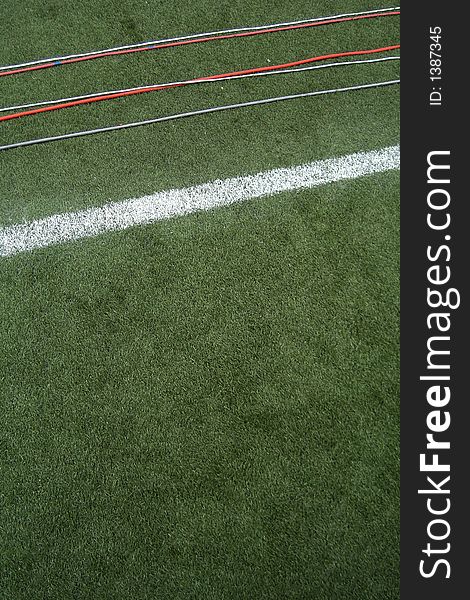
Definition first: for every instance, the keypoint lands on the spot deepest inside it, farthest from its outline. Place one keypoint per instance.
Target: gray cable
(203, 111)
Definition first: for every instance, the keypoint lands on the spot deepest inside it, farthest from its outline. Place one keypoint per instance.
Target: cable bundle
(38, 107)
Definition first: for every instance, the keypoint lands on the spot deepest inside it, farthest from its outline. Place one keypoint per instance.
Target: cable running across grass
(203, 111)
(196, 81)
(134, 91)
(193, 39)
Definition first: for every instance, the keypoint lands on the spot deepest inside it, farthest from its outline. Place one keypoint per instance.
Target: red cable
(163, 86)
(194, 41)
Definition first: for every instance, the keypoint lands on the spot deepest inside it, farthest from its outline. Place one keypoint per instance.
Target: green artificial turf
(206, 407)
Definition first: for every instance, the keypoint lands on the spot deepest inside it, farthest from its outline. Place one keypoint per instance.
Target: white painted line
(117, 216)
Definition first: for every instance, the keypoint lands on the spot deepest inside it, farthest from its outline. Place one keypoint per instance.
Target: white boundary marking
(116, 216)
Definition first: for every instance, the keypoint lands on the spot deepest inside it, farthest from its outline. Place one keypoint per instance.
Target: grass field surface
(205, 406)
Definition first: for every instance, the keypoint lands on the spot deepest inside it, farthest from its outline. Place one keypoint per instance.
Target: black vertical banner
(435, 263)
